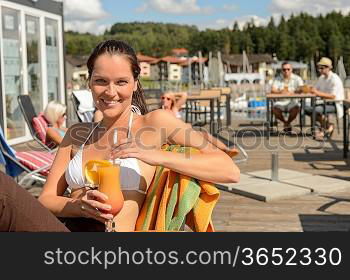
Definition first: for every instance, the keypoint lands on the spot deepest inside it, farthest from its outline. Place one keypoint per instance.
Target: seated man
(328, 86)
(287, 83)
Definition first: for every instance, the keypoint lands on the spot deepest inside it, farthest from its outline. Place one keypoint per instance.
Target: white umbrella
(341, 69)
(313, 74)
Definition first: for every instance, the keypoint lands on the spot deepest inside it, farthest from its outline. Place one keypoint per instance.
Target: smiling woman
(117, 92)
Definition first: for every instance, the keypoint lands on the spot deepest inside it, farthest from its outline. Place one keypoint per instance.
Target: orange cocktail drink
(109, 184)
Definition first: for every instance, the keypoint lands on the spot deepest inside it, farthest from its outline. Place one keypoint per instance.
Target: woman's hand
(131, 148)
(92, 205)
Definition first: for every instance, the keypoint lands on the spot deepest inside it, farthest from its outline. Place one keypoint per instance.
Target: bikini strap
(130, 123)
(92, 131)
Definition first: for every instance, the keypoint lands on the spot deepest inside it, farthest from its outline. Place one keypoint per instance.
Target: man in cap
(287, 83)
(328, 86)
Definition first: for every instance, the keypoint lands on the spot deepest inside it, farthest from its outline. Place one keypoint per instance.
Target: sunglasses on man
(285, 69)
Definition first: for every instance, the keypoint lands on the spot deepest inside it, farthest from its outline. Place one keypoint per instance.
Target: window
(53, 76)
(33, 61)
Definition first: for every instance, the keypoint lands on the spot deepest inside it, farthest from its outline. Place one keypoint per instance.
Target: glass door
(12, 71)
(34, 61)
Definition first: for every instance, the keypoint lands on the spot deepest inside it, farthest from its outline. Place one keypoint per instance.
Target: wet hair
(53, 111)
(116, 47)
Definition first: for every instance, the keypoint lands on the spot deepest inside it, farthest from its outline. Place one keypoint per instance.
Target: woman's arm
(53, 135)
(55, 186)
(211, 164)
(182, 97)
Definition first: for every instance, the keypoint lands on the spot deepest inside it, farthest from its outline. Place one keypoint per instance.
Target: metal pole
(200, 69)
(274, 166)
(210, 69)
(189, 75)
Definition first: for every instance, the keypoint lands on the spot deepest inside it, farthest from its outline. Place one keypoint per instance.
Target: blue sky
(211, 11)
(96, 15)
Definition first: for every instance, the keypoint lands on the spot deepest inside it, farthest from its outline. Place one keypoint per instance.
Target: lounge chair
(36, 164)
(37, 124)
(83, 105)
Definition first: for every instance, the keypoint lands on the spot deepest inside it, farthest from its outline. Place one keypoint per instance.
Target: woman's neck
(118, 121)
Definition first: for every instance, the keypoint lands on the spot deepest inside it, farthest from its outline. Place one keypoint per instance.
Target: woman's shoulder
(157, 116)
(161, 118)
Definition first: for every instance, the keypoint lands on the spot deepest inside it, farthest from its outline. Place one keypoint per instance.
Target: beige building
(76, 71)
(167, 68)
(145, 65)
(175, 72)
(259, 63)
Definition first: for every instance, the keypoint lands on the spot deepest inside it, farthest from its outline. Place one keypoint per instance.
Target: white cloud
(90, 26)
(82, 16)
(228, 23)
(83, 10)
(313, 7)
(174, 7)
(258, 21)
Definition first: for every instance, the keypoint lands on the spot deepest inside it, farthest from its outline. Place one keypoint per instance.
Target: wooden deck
(313, 212)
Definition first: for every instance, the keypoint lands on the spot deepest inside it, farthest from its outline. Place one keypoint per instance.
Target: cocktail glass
(109, 184)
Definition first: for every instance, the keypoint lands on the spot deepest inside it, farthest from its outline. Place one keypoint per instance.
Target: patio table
(271, 97)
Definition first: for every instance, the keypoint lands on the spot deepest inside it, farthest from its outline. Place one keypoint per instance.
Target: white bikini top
(129, 168)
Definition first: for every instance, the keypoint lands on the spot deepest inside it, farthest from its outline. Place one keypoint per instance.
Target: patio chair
(37, 124)
(202, 108)
(36, 164)
(329, 102)
(327, 114)
(83, 105)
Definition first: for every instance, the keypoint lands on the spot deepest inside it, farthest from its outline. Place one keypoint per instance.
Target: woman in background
(172, 102)
(55, 114)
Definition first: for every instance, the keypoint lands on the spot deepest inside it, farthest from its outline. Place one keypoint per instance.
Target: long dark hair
(121, 48)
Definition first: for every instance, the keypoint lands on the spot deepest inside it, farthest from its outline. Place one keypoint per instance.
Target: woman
(113, 79)
(55, 114)
(172, 102)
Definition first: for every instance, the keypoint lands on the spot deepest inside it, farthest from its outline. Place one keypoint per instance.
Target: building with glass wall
(31, 60)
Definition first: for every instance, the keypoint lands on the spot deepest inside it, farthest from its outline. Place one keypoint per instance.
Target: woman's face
(167, 101)
(112, 84)
(61, 120)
